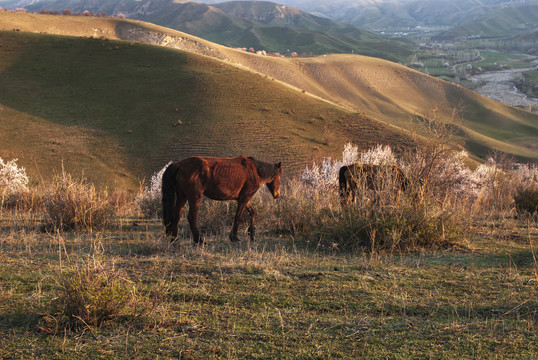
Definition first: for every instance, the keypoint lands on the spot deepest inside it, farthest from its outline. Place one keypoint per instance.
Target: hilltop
(392, 14)
(128, 95)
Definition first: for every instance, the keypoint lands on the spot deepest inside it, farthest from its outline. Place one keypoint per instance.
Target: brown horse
(218, 179)
(373, 176)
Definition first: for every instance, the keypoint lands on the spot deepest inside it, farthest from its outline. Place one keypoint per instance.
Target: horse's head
(274, 185)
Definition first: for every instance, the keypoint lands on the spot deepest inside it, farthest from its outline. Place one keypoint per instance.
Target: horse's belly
(221, 194)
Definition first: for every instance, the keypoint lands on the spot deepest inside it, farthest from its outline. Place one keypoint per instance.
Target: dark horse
(218, 179)
(373, 176)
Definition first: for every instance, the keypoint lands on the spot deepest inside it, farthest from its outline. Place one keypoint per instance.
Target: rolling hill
(400, 14)
(502, 23)
(261, 25)
(113, 107)
(116, 111)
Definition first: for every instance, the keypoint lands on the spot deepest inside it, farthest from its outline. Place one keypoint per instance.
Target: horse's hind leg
(180, 204)
(194, 205)
(251, 229)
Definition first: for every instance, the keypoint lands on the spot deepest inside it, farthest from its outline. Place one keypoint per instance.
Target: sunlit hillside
(143, 105)
(117, 111)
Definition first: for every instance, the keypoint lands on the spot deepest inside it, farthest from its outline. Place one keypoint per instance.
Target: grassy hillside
(112, 110)
(247, 24)
(131, 96)
(390, 14)
(502, 23)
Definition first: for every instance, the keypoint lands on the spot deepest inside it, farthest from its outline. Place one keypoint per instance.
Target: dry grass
(279, 298)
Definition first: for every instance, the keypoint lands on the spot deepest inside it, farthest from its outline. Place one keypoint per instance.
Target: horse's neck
(264, 170)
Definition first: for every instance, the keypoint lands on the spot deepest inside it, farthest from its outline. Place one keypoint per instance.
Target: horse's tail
(342, 181)
(169, 196)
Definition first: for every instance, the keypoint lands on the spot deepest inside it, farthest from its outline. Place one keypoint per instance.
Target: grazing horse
(373, 176)
(218, 179)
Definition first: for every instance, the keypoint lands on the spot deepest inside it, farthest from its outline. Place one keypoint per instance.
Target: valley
(500, 86)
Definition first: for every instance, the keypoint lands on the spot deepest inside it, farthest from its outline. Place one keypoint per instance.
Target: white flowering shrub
(149, 199)
(380, 155)
(13, 182)
(526, 175)
(324, 176)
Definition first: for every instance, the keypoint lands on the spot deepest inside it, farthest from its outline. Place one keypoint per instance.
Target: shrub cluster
(436, 209)
(90, 294)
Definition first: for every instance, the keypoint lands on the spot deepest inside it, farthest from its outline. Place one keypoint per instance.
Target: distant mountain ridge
(511, 21)
(261, 25)
(398, 14)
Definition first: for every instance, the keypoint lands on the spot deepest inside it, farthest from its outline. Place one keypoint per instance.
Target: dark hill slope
(117, 111)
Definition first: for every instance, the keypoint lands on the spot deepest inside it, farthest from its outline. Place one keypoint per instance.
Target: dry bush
(91, 294)
(75, 205)
(303, 208)
(526, 200)
(432, 212)
(403, 224)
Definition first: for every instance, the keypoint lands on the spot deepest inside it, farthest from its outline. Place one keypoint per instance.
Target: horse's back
(217, 178)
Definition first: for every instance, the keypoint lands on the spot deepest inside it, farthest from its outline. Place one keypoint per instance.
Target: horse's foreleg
(251, 230)
(235, 226)
(194, 205)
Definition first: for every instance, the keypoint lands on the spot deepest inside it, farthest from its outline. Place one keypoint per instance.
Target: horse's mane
(265, 170)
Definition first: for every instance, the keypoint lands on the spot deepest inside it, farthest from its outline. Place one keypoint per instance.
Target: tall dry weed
(73, 204)
(90, 293)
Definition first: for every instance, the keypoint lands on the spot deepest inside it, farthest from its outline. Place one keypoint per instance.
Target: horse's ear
(279, 165)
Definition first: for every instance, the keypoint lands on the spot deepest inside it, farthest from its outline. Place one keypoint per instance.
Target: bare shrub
(526, 200)
(302, 207)
(91, 294)
(430, 213)
(75, 205)
(402, 225)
